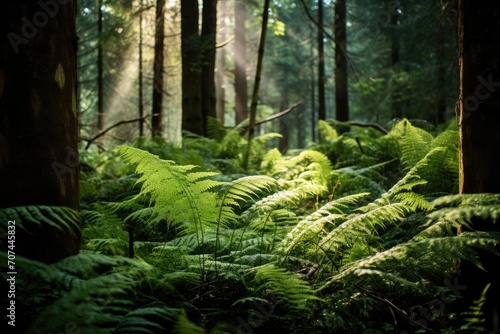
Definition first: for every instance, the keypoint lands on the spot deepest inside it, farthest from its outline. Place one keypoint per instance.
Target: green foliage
(339, 241)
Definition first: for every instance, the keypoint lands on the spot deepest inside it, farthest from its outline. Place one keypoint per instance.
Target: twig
(281, 113)
(370, 125)
(102, 133)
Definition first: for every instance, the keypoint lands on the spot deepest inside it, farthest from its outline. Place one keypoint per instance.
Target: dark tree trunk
(321, 65)
(208, 33)
(441, 60)
(192, 118)
(158, 85)
(240, 63)
(100, 71)
(396, 108)
(39, 162)
(141, 97)
(341, 92)
(479, 119)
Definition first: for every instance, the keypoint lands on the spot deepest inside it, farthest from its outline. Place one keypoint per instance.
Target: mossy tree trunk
(39, 162)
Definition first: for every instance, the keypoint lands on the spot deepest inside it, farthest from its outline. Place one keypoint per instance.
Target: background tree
(158, 77)
(321, 64)
(39, 162)
(341, 88)
(208, 40)
(240, 62)
(192, 117)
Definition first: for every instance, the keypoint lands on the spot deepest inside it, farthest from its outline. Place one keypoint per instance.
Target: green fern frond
(185, 326)
(310, 227)
(147, 319)
(326, 131)
(286, 286)
(100, 302)
(176, 192)
(475, 317)
(36, 216)
(460, 209)
(408, 263)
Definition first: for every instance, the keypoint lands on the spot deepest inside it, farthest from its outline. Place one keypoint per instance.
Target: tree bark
(240, 63)
(341, 91)
(140, 88)
(479, 118)
(395, 94)
(208, 35)
(192, 118)
(39, 162)
(158, 85)
(321, 65)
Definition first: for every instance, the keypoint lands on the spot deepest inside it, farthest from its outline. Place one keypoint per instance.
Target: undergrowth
(357, 234)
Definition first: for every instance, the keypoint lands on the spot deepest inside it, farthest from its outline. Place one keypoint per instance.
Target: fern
(286, 286)
(32, 218)
(184, 326)
(312, 226)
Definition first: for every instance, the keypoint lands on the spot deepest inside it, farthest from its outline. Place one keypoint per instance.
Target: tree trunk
(39, 162)
(395, 93)
(321, 65)
(240, 63)
(441, 60)
(255, 94)
(479, 105)
(158, 85)
(100, 70)
(192, 118)
(341, 92)
(220, 89)
(141, 97)
(208, 34)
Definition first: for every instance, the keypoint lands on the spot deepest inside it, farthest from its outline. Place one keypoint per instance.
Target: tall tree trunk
(258, 73)
(220, 89)
(321, 65)
(441, 59)
(313, 97)
(100, 70)
(192, 118)
(479, 119)
(341, 91)
(158, 84)
(395, 93)
(208, 35)
(240, 62)
(141, 98)
(39, 162)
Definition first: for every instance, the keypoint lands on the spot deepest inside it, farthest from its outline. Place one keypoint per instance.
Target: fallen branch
(370, 125)
(103, 132)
